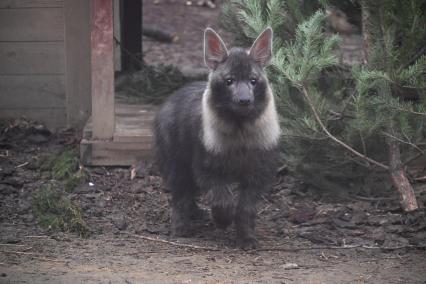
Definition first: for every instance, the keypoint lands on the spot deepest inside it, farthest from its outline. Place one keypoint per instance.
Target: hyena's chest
(236, 166)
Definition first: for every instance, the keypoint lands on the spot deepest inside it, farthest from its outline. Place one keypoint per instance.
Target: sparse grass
(55, 211)
(65, 167)
(75, 179)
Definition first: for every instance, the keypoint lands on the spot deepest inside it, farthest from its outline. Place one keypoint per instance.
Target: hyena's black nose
(244, 101)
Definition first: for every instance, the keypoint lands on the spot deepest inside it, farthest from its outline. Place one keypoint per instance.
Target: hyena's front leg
(222, 205)
(245, 219)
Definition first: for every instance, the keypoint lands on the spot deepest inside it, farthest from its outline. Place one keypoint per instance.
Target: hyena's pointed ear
(261, 50)
(215, 50)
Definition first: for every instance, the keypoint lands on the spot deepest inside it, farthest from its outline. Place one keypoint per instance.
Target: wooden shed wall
(32, 60)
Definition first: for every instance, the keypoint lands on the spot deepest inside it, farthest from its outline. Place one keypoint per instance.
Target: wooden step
(132, 140)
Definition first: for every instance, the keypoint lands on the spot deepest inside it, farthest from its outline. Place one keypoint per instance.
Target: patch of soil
(304, 238)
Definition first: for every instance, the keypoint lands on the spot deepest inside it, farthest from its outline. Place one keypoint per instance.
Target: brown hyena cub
(220, 136)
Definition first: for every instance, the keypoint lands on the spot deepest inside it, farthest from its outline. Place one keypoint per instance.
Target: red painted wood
(102, 59)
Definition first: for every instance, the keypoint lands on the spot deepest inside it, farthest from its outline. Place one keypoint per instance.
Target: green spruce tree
(345, 127)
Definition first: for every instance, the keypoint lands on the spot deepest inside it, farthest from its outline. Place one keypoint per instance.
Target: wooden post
(103, 117)
(117, 36)
(77, 61)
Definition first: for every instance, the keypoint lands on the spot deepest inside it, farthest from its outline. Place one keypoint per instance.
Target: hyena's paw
(223, 215)
(247, 243)
(180, 229)
(180, 225)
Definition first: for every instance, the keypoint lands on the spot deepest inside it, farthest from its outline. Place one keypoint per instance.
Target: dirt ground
(188, 22)
(305, 236)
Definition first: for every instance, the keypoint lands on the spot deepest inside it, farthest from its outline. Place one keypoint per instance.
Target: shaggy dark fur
(189, 167)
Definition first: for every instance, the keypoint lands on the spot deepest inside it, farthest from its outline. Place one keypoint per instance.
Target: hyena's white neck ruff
(220, 136)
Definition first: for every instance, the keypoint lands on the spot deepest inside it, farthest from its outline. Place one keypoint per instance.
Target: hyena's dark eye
(253, 81)
(229, 81)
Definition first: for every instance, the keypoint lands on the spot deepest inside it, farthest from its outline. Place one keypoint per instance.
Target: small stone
(6, 189)
(37, 138)
(13, 181)
(290, 265)
(24, 206)
(136, 188)
(359, 217)
(120, 223)
(6, 169)
(83, 188)
(12, 240)
(302, 215)
(101, 203)
(343, 224)
(378, 235)
(27, 217)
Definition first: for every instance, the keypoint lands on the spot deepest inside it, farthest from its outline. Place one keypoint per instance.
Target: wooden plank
(133, 138)
(7, 4)
(30, 91)
(130, 126)
(77, 58)
(53, 118)
(31, 58)
(133, 123)
(102, 69)
(108, 153)
(38, 24)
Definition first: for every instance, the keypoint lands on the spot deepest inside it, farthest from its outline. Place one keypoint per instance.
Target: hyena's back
(176, 129)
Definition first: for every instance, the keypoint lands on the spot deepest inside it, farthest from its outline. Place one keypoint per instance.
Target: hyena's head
(238, 86)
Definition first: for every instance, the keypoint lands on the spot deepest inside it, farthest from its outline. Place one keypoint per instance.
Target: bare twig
(22, 165)
(279, 248)
(173, 243)
(404, 142)
(342, 247)
(13, 245)
(415, 57)
(362, 198)
(409, 111)
(32, 255)
(16, 252)
(334, 138)
(129, 53)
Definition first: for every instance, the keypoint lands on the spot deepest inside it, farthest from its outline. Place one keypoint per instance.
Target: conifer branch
(403, 142)
(409, 111)
(334, 138)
